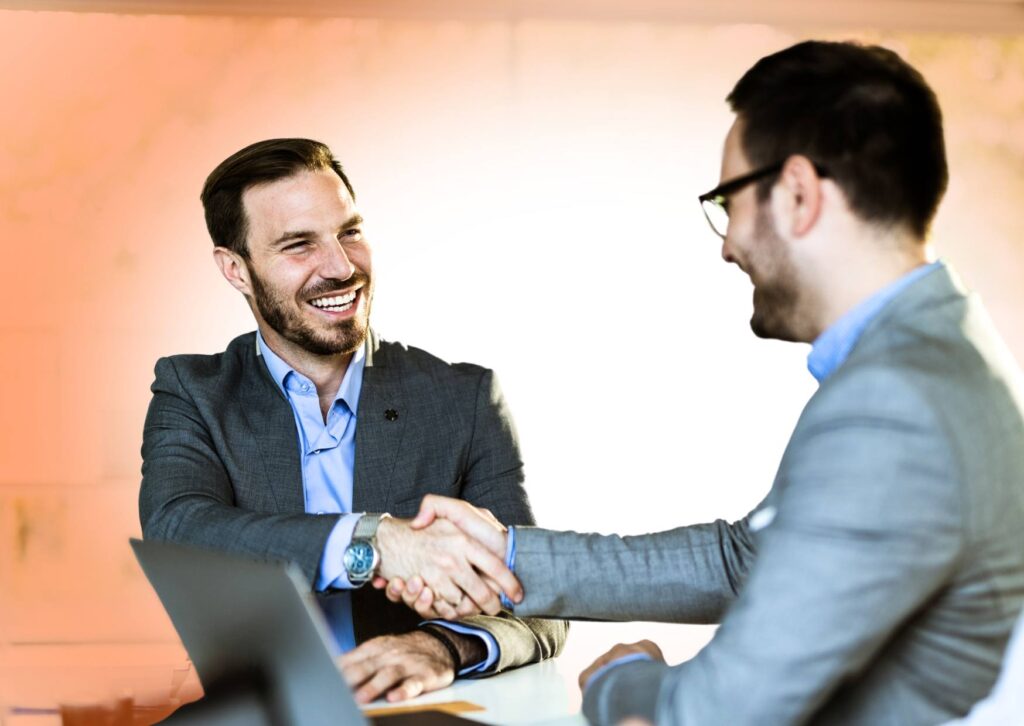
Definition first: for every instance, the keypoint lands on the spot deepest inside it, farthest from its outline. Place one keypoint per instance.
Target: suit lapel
(272, 426)
(380, 426)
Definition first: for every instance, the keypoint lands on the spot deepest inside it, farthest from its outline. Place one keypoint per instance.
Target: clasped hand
(448, 562)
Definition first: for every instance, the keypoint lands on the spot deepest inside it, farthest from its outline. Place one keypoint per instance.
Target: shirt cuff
(489, 642)
(510, 563)
(332, 573)
(603, 670)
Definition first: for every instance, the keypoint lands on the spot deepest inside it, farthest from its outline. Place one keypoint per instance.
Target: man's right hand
(481, 527)
(464, 577)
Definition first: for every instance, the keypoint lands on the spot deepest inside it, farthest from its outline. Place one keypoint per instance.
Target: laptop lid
(238, 616)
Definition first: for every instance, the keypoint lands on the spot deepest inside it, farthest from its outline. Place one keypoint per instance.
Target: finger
(586, 674)
(461, 513)
(367, 651)
(652, 649)
(467, 607)
(412, 591)
(429, 613)
(440, 575)
(356, 668)
(424, 604)
(356, 674)
(381, 682)
(409, 688)
(426, 514)
(480, 597)
(615, 652)
(396, 590)
(490, 515)
(379, 582)
(444, 610)
(495, 568)
(495, 587)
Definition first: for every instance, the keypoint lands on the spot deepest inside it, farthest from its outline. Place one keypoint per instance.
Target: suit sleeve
(867, 531)
(186, 495)
(688, 575)
(493, 479)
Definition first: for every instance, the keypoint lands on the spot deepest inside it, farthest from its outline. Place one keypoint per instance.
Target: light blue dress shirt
(833, 346)
(328, 456)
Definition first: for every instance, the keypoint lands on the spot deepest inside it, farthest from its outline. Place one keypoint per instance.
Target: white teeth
(333, 302)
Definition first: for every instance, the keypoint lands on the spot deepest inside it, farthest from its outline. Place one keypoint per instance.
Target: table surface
(544, 693)
(35, 679)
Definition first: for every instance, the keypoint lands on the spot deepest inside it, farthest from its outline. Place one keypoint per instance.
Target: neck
(326, 371)
(872, 266)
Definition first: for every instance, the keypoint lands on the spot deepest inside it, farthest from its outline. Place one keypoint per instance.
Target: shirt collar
(831, 349)
(351, 384)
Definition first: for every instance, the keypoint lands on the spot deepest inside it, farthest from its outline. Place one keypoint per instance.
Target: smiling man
(879, 580)
(295, 442)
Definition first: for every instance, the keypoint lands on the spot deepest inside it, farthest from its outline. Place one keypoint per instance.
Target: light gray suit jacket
(221, 466)
(879, 580)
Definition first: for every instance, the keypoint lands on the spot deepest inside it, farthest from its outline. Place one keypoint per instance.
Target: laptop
(258, 640)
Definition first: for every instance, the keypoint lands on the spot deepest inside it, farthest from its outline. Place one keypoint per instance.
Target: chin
(772, 327)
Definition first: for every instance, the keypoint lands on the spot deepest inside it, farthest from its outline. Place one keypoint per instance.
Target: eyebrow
(353, 221)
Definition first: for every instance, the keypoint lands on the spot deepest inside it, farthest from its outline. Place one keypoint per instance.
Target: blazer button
(391, 414)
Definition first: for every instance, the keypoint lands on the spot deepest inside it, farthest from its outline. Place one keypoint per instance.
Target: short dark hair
(259, 163)
(859, 111)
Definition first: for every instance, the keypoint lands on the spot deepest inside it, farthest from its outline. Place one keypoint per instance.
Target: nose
(335, 263)
(726, 251)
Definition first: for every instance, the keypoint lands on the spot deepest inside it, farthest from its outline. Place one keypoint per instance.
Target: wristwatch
(362, 556)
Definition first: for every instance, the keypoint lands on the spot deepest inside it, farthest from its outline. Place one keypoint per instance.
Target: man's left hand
(401, 666)
(645, 647)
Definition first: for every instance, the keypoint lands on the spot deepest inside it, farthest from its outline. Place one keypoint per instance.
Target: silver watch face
(359, 560)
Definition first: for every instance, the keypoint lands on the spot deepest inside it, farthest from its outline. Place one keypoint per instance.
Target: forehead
(307, 200)
(734, 160)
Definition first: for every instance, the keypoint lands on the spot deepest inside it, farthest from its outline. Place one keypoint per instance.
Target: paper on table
(451, 707)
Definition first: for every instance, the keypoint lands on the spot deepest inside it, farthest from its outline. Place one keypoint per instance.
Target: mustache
(332, 284)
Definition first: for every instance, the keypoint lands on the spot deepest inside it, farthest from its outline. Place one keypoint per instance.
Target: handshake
(448, 562)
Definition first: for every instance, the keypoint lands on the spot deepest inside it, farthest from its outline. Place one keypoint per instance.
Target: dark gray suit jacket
(879, 580)
(221, 466)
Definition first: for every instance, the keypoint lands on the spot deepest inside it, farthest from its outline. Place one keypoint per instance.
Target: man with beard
(294, 442)
(879, 580)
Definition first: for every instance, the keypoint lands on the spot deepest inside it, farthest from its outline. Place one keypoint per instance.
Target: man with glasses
(879, 580)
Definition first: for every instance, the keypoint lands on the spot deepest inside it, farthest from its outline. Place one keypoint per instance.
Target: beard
(775, 299)
(282, 315)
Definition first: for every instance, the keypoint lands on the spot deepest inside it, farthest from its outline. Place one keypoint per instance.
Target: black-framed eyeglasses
(716, 202)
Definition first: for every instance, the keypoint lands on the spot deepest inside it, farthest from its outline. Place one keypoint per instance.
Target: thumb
(427, 513)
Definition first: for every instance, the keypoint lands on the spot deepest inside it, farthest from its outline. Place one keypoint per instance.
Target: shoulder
(412, 361)
(207, 371)
(427, 377)
(875, 388)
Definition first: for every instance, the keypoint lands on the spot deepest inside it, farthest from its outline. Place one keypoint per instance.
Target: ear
(801, 201)
(234, 269)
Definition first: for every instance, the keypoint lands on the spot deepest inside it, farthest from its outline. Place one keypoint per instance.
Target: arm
(688, 575)
(691, 574)
(187, 496)
(493, 479)
(867, 531)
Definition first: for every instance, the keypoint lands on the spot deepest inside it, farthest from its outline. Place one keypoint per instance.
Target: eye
(351, 233)
(297, 246)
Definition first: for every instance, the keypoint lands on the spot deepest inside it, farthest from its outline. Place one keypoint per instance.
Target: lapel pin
(391, 414)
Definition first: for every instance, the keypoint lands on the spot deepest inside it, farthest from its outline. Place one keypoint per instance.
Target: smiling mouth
(335, 303)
